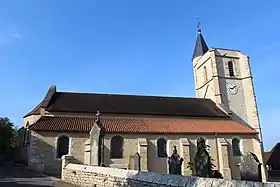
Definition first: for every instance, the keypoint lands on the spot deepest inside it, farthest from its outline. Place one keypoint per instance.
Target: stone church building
(109, 129)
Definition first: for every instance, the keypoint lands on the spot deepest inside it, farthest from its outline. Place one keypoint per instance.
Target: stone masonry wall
(83, 175)
(44, 148)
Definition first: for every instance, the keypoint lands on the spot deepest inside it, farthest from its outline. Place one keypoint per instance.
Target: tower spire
(200, 46)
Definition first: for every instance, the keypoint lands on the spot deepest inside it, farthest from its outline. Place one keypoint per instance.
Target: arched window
(117, 147)
(161, 147)
(62, 146)
(205, 74)
(236, 147)
(230, 69)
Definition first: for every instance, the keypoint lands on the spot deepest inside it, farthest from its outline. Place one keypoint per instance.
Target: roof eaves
(34, 111)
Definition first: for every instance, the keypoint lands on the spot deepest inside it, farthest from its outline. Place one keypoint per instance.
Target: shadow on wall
(45, 159)
(158, 165)
(193, 150)
(107, 156)
(233, 164)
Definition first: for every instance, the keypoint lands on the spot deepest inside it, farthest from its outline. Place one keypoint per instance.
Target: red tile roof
(140, 125)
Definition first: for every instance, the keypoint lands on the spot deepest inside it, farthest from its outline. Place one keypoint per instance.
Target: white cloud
(17, 35)
(9, 36)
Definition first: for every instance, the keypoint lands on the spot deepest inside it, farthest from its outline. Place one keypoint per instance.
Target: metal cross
(97, 115)
(198, 24)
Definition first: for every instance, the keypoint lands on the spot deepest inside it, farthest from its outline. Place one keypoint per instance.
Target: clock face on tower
(232, 88)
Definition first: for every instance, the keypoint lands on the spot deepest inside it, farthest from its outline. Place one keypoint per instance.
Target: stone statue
(202, 160)
(175, 163)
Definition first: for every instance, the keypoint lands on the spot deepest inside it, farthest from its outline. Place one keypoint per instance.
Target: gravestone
(94, 142)
(175, 163)
(250, 168)
(135, 162)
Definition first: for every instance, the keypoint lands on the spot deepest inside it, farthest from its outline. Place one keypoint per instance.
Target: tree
(8, 133)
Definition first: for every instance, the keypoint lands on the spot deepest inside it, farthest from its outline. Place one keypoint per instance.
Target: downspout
(217, 149)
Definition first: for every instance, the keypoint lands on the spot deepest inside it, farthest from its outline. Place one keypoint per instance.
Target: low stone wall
(83, 175)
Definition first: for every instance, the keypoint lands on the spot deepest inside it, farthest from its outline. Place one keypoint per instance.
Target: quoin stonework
(139, 132)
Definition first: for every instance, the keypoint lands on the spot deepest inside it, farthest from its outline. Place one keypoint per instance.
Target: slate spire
(200, 46)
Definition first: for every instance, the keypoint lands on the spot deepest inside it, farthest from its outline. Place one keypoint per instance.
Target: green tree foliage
(8, 133)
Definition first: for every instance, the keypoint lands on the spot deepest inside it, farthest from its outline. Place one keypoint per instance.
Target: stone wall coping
(67, 157)
(150, 178)
(142, 142)
(184, 141)
(87, 142)
(223, 141)
(118, 166)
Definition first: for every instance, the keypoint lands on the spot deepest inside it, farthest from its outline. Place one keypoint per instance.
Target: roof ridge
(124, 94)
(145, 117)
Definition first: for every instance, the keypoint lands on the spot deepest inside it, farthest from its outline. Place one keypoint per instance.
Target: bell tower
(224, 75)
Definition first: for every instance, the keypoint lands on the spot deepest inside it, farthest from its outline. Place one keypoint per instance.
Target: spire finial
(200, 46)
(198, 24)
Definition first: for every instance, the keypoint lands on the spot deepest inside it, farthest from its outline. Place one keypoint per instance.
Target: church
(224, 114)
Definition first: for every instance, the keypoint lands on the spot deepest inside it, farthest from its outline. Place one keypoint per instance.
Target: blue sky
(131, 47)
